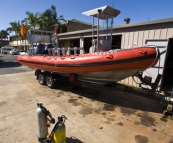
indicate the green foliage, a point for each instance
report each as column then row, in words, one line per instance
column 42, row 21
column 16, row 26
column 48, row 19
column 3, row 34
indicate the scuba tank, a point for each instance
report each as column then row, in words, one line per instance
column 58, row 133
column 43, row 122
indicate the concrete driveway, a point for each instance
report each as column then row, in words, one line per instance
column 95, row 115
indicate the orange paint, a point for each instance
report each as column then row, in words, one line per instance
column 137, row 58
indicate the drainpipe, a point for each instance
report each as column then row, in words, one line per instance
column 92, row 30
column 98, row 14
column 106, row 29
column 111, row 29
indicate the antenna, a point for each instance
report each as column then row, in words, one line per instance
column 112, row 18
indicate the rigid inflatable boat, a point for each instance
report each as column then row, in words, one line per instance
column 112, row 65
column 101, row 63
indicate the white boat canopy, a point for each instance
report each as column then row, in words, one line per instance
column 105, row 12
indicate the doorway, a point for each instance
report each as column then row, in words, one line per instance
column 116, row 41
column 74, row 43
column 167, row 79
column 87, row 44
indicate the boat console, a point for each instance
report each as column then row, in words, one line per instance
column 103, row 41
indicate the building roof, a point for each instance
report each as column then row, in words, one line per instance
column 158, row 21
column 74, row 20
column 150, row 22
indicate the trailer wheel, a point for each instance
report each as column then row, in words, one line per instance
column 41, row 79
column 72, row 77
column 50, row 81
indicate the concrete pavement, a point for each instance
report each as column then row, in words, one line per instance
column 95, row 115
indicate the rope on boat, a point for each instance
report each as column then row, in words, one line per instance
column 135, row 80
column 155, row 58
column 139, row 82
column 157, row 53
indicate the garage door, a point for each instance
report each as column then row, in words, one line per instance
column 158, row 68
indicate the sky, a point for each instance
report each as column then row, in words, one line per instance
column 136, row 10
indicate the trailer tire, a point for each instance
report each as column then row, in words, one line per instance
column 72, row 77
column 41, row 78
column 50, row 81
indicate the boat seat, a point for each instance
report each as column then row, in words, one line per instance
column 40, row 49
column 49, row 49
column 50, row 46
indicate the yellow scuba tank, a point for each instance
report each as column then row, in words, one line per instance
column 58, row 133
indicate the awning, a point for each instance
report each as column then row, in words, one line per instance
column 105, row 12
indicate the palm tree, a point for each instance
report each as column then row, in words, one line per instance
column 16, row 26
column 44, row 21
column 32, row 20
column 4, row 34
column 48, row 19
column 9, row 31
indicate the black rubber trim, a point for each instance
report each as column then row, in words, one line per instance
column 95, row 63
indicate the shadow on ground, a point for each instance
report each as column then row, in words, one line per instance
column 73, row 140
column 8, row 64
column 114, row 97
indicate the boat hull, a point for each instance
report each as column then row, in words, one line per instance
column 105, row 66
column 105, row 77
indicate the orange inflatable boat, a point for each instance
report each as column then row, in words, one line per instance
column 113, row 65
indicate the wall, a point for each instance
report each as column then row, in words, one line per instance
column 138, row 35
column 66, row 43
column 17, row 43
column 74, row 26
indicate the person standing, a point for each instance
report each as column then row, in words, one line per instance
column 55, row 37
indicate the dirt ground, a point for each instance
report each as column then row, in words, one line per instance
column 95, row 114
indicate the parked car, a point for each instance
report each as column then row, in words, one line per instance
column 14, row 52
column 31, row 51
column 6, row 50
column 21, row 52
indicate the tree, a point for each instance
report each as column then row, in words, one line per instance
column 32, row 20
column 16, row 26
column 48, row 19
column 3, row 34
column 44, row 21
column 9, row 31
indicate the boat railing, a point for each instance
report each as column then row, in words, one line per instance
column 65, row 51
